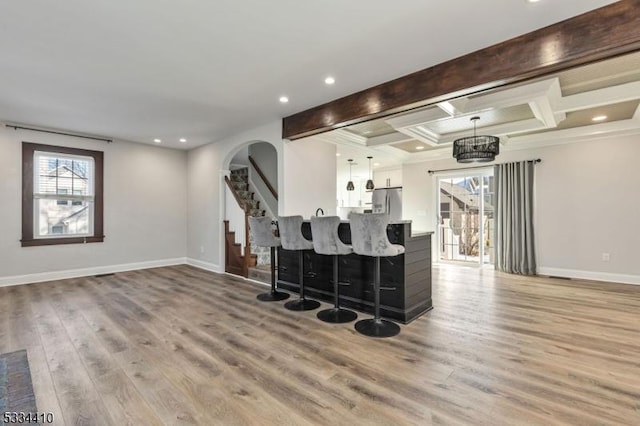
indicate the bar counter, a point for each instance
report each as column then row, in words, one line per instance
column 405, row 279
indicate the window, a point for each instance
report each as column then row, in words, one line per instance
column 62, row 202
column 61, row 195
column 77, row 202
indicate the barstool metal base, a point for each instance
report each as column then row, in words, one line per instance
column 272, row 296
column 377, row 328
column 302, row 305
column 336, row 315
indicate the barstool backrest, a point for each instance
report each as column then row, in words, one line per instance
column 261, row 232
column 324, row 230
column 369, row 235
column 291, row 233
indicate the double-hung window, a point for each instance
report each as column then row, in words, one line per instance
column 61, row 195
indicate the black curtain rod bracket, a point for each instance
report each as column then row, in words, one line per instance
column 537, row 160
column 14, row 127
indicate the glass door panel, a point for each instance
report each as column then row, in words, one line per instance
column 465, row 227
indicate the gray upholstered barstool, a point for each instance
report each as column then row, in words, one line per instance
column 262, row 236
column 292, row 239
column 326, row 241
column 369, row 238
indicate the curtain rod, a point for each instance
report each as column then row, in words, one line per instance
column 537, row 160
column 13, row 126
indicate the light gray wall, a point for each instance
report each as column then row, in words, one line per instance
column 241, row 157
column 586, row 204
column 266, row 157
column 145, row 207
column 306, row 181
column 310, row 177
column 206, row 165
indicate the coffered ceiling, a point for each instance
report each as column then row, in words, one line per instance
column 202, row 70
column 560, row 106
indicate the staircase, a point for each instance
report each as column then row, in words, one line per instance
column 235, row 261
column 240, row 182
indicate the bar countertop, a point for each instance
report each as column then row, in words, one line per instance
column 406, row 278
column 414, row 233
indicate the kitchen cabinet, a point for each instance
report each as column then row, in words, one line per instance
column 359, row 197
column 387, row 178
column 405, row 294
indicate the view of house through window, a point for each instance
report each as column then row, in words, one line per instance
column 63, row 195
column 466, row 218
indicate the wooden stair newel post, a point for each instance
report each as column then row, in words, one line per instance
column 235, row 261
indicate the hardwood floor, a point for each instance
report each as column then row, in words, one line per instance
column 182, row 346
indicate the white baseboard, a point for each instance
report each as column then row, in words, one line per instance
column 591, row 275
column 211, row 267
column 85, row 272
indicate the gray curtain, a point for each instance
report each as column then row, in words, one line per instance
column 515, row 251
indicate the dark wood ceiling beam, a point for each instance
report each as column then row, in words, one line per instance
column 600, row 34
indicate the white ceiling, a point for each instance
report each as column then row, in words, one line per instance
column 201, row 69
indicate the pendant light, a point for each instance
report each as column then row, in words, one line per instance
column 480, row 149
column 370, row 184
column 350, row 186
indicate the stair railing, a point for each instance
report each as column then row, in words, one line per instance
column 264, row 178
column 238, row 216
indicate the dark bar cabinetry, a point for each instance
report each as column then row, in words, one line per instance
column 406, row 279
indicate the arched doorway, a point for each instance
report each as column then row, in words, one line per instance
column 250, row 189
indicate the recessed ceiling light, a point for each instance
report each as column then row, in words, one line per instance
column 183, row 140
column 157, row 140
column 419, row 147
column 338, row 154
column 284, row 99
column 599, row 118
column 533, row 1
column 376, row 164
column 329, row 80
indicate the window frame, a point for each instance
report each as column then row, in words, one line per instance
column 28, row 151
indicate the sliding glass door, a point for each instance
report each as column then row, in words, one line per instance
column 465, row 217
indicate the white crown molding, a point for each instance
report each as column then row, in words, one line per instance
column 527, row 125
column 591, row 275
column 600, row 97
column 454, row 107
column 515, row 96
column 543, row 97
column 417, row 118
column 422, row 133
column 86, row 272
column 396, row 153
column 576, row 134
column 431, row 155
column 345, row 136
column 544, row 106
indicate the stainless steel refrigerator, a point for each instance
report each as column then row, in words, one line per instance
column 387, row 200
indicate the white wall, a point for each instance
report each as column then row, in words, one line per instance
column 310, row 177
column 266, row 157
column 205, row 247
column 145, row 209
column 306, row 181
column 586, row 204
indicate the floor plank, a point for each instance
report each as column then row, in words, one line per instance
column 182, row 346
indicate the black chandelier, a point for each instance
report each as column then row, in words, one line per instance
column 476, row 149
